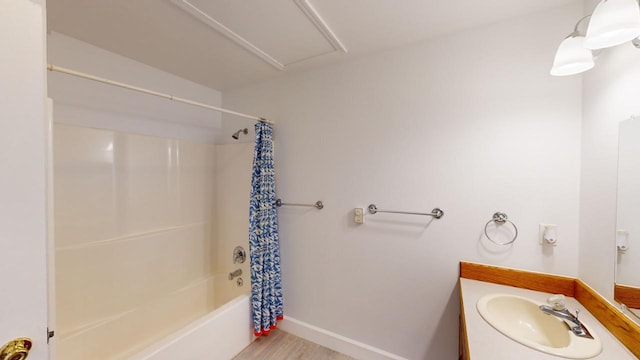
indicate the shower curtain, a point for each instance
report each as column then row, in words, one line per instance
column 266, row 288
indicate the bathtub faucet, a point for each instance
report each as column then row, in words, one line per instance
column 235, row 274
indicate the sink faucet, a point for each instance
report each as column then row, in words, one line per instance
column 558, row 310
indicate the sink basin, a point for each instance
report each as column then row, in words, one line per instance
column 521, row 320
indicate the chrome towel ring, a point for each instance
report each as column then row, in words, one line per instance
column 501, row 218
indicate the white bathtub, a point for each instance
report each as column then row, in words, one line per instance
column 219, row 335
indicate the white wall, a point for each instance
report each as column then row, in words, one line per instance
column 471, row 123
column 83, row 102
column 610, row 95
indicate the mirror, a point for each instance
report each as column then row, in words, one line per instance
column 627, row 283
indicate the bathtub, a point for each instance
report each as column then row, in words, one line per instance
column 219, row 335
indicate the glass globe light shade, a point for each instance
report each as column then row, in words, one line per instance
column 613, row 22
column 572, row 57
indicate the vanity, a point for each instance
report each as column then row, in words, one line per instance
column 511, row 294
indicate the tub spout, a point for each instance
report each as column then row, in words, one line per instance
column 235, row 274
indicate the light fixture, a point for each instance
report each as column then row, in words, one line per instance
column 613, row 22
column 572, row 57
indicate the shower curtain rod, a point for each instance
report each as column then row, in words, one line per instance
column 59, row 69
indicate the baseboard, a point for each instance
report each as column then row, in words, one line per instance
column 335, row 341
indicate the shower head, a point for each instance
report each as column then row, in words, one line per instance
column 236, row 135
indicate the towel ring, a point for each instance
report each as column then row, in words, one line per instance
column 501, row 218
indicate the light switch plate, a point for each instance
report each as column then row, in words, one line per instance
column 358, row 215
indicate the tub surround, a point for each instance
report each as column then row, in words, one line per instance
column 134, row 224
column 139, row 253
column 477, row 280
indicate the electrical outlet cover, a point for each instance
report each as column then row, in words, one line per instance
column 358, row 215
column 541, row 230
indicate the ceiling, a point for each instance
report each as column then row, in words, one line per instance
column 225, row 44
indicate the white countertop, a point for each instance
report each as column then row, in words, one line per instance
column 486, row 343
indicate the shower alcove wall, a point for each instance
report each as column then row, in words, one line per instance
column 149, row 203
column 141, row 228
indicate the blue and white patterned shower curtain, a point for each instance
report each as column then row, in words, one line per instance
column 266, row 287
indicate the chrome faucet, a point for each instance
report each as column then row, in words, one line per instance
column 234, row 274
column 560, row 311
column 239, row 255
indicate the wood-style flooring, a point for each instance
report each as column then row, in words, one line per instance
column 280, row 345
